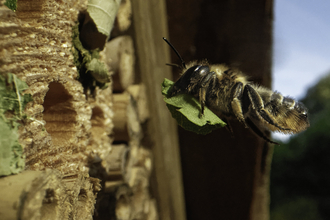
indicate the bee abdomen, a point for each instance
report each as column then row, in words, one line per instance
column 288, row 113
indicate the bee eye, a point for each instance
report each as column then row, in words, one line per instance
column 201, row 70
column 194, row 73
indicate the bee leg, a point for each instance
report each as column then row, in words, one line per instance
column 202, row 99
column 205, row 83
column 236, row 106
column 256, row 130
column 228, row 127
column 258, row 105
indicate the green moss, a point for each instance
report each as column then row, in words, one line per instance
column 185, row 109
column 11, row 4
column 12, row 104
column 92, row 72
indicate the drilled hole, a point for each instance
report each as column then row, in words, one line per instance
column 49, row 205
column 82, row 195
column 59, row 114
column 49, row 196
column 97, row 121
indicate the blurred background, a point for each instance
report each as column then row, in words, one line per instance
column 300, row 177
column 301, row 46
column 278, row 43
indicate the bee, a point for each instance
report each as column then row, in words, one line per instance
column 228, row 93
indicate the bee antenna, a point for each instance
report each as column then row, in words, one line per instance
column 177, row 53
column 173, row 65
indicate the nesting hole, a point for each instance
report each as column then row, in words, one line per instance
column 59, row 114
column 123, row 207
column 97, row 122
column 82, row 195
column 49, row 196
column 49, row 205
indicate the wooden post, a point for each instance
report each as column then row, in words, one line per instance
column 150, row 26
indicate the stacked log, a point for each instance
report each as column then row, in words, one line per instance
column 36, row 47
column 74, row 138
column 128, row 165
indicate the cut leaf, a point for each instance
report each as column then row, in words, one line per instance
column 11, row 97
column 11, row 159
column 98, row 70
column 12, row 104
column 186, row 110
column 103, row 13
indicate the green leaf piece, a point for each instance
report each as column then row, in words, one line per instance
column 11, row 4
column 99, row 71
column 103, row 14
column 12, row 104
column 186, row 110
column 11, row 159
column 11, row 97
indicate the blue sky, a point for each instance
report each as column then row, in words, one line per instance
column 301, row 45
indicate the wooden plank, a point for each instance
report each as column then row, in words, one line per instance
column 152, row 53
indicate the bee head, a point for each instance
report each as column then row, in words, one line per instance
column 191, row 76
column 190, row 80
